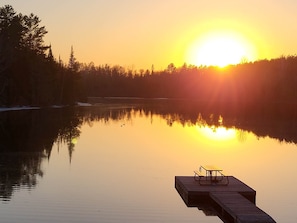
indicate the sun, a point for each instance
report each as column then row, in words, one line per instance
column 220, row 49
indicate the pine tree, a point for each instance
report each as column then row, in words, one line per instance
column 50, row 56
column 72, row 65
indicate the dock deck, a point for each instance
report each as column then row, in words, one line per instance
column 235, row 201
column 232, row 205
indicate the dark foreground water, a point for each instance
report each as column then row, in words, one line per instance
column 118, row 165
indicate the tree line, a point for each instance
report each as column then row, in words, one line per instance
column 29, row 74
column 265, row 80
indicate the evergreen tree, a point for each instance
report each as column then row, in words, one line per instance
column 26, row 75
column 50, row 56
column 33, row 34
column 72, row 65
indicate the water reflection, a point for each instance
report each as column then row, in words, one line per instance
column 190, row 113
column 27, row 137
column 209, row 210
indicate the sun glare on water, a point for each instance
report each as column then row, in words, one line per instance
column 220, row 49
column 217, row 133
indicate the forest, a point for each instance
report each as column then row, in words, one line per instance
column 30, row 75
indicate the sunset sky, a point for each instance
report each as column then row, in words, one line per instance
column 141, row 33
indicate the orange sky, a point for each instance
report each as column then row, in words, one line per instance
column 139, row 34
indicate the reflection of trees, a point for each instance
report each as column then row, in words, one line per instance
column 241, row 135
column 262, row 122
column 27, row 138
column 18, row 169
column 70, row 132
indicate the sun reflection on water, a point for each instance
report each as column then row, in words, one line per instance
column 220, row 133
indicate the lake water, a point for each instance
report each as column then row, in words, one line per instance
column 118, row 165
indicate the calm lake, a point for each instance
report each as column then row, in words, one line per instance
column 117, row 162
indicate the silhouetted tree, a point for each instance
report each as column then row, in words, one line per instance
column 29, row 74
column 72, row 85
column 72, row 64
column 32, row 36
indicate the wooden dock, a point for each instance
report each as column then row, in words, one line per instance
column 234, row 202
